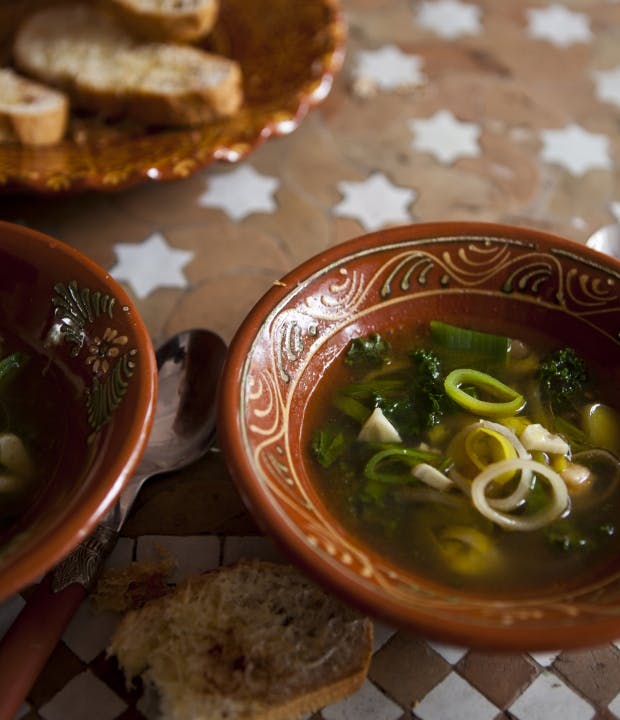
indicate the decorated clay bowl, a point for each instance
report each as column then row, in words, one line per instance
column 484, row 276
column 82, row 403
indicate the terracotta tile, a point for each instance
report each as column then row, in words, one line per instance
column 62, row 666
column 595, row 673
column 498, row 676
column 604, row 714
column 406, row 668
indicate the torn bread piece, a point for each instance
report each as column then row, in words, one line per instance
column 88, row 53
column 31, row 113
column 255, row 640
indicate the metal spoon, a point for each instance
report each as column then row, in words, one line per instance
column 606, row 240
column 189, row 366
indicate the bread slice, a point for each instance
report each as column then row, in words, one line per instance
column 251, row 641
column 104, row 68
column 30, row 113
column 168, row 20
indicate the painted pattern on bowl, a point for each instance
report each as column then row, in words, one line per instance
column 71, row 312
column 405, row 276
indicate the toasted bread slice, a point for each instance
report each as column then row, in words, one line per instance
column 168, row 20
column 104, row 68
column 30, row 113
column 255, row 640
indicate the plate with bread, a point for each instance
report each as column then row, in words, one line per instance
column 105, row 94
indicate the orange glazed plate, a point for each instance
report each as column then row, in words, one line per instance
column 289, row 54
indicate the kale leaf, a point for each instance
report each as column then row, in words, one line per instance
column 369, row 351
column 563, row 376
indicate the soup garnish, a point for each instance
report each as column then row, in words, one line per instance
column 475, row 459
column 36, row 419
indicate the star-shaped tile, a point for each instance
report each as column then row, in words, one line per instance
column 389, row 68
column 575, row 149
column 375, row 202
column 450, row 18
column 445, row 137
column 559, row 25
column 608, row 85
column 150, row 265
column 240, row 192
column 615, row 210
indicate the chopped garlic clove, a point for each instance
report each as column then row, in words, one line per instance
column 431, row 476
column 378, row 429
column 537, row 437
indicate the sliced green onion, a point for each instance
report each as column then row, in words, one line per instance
column 408, row 456
column 474, row 341
column 352, row 407
column 510, row 401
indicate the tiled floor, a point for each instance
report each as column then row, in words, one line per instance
column 409, row 676
column 445, row 109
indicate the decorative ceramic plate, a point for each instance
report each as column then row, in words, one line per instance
column 458, row 272
column 289, row 52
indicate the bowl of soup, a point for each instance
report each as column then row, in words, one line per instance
column 78, row 384
column 427, row 420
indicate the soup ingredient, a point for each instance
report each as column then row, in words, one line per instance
column 428, row 393
column 252, row 640
column 552, row 510
column 371, row 351
column 33, row 429
column 378, row 429
column 509, row 402
column 563, row 378
column 462, row 439
column 17, row 468
column 601, row 424
column 465, row 340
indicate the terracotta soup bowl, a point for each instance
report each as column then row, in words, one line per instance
column 78, row 384
column 283, row 370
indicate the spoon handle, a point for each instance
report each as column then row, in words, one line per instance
column 30, row 640
column 34, row 634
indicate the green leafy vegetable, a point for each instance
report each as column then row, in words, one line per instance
column 471, row 341
column 428, row 391
column 369, row 351
column 328, row 445
column 563, row 376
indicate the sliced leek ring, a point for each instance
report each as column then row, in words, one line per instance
column 509, row 400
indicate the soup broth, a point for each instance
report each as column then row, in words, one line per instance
column 38, row 422
column 523, row 490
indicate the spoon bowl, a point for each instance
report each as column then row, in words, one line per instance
column 189, row 365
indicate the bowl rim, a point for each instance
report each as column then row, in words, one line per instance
column 64, row 535
column 273, row 522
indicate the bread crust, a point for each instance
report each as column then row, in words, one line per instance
column 155, row 20
column 105, row 69
column 255, row 640
column 30, row 113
